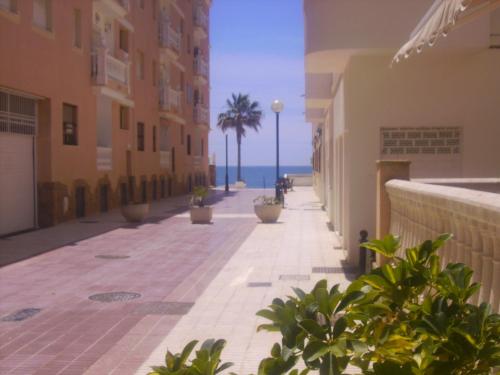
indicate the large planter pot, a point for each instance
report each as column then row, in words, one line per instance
column 136, row 212
column 268, row 213
column 201, row 215
column 240, row 184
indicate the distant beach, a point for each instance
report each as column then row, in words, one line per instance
column 258, row 176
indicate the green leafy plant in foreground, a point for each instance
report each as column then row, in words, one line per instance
column 206, row 362
column 410, row 316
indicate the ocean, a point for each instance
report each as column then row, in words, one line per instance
column 258, row 176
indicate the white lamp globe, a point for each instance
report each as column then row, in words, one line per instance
column 277, row 106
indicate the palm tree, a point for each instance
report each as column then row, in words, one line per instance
column 241, row 112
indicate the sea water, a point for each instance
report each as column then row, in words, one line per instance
column 258, row 176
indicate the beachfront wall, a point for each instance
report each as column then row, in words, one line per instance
column 422, row 211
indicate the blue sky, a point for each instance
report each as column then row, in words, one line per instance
column 257, row 48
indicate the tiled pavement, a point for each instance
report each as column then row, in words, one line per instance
column 170, row 260
column 283, row 255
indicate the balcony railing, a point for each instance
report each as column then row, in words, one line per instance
column 201, row 18
column 104, row 158
column 167, row 36
column 169, row 99
column 197, row 159
column 201, row 66
column 421, row 211
column 165, row 159
column 124, row 4
column 201, row 115
column 104, row 66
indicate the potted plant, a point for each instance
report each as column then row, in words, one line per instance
column 267, row 209
column 135, row 212
column 199, row 213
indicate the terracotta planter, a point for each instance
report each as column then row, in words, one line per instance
column 268, row 213
column 136, row 212
column 201, row 215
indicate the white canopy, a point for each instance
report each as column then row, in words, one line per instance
column 442, row 17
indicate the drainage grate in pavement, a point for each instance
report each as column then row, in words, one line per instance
column 114, row 296
column 163, row 308
column 89, row 221
column 293, row 277
column 334, row 270
column 259, row 284
column 21, row 315
column 112, row 256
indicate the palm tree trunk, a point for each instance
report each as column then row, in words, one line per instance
column 238, row 140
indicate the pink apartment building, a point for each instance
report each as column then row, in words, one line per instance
column 102, row 103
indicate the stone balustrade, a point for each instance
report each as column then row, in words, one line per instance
column 422, row 211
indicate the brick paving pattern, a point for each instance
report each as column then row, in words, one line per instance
column 169, row 261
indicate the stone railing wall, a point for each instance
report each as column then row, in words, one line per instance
column 422, row 211
column 491, row 185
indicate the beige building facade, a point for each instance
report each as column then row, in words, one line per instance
column 102, row 103
column 440, row 109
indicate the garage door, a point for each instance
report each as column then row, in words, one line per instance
column 17, row 177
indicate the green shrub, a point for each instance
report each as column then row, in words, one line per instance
column 408, row 317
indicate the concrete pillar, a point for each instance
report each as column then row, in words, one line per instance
column 387, row 170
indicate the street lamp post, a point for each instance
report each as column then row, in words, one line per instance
column 227, row 172
column 277, row 107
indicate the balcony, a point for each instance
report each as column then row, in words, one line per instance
column 104, row 158
column 168, row 38
column 165, row 159
column 200, row 19
column 113, row 8
column 201, row 69
column 169, row 99
column 108, row 70
column 201, row 115
column 125, row 4
column 197, row 161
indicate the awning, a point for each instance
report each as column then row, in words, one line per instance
column 440, row 19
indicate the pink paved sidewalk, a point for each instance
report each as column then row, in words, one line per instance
column 169, row 260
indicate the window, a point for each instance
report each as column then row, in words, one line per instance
column 155, row 5
column 70, row 126
column 124, row 40
column 77, row 32
column 144, row 191
column 154, row 138
column 103, row 204
column 162, row 187
column 189, row 93
column 154, row 189
column 188, row 140
column 42, row 14
column 123, row 117
column 181, row 27
column 153, row 73
column 123, row 194
column 80, row 201
column 173, row 159
column 9, row 5
column 140, row 65
column 140, row 136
